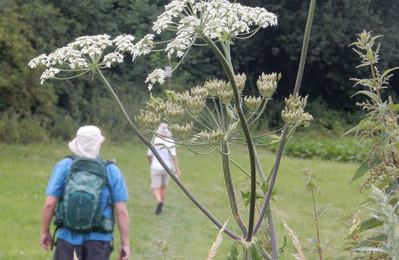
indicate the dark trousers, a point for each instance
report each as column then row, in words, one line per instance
column 89, row 250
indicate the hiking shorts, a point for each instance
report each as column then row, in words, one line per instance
column 159, row 178
column 89, row 250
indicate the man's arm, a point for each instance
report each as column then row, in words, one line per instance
column 177, row 167
column 122, row 218
column 47, row 214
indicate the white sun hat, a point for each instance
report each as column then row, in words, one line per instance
column 87, row 142
column 163, row 130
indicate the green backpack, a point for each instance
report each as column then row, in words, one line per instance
column 79, row 208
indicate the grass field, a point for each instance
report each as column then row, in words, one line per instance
column 24, row 171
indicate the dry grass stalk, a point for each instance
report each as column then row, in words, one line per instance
column 299, row 255
column 216, row 244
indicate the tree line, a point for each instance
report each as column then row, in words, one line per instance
column 30, row 111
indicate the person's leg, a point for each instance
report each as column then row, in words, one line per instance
column 64, row 250
column 96, row 250
column 164, row 185
column 156, row 182
column 163, row 193
column 157, row 194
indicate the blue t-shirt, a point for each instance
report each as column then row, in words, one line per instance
column 118, row 193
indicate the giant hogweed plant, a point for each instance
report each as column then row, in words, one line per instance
column 378, row 235
column 213, row 115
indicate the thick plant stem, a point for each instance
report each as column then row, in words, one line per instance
column 305, row 45
column 230, row 188
column 273, row 239
column 246, row 131
column 161, row 161
column 272, row 230
column 272, row 180
column 284, row 135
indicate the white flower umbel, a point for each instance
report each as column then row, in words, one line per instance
column 158, row 75
column 214, row 19
column 88, row 53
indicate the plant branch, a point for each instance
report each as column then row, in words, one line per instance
column 161, row 161
column 286, row 131
column 230, row 188
column 246, row 131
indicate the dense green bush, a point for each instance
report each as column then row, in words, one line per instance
column 14, row 129
column 338, row 149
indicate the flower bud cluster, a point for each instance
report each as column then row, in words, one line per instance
column 180, row 130
column 240, row 80
column 267, row 84
column 252, row 103
column 294, row 114
column 194, row 104
column 214, row 86
column 173, row 112
column 211, row 137
column 148, row 119
column 199, row 91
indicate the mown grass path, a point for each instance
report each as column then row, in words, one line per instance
column 24, row 171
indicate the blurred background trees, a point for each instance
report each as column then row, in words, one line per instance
column 31, row 112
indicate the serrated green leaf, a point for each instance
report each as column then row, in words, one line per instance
column 387, row 72
column 233, row 255
column 370, row 94
column 366, row 225
column 364, row 168
column 370, row 249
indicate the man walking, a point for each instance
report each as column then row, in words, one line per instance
column 85, row 194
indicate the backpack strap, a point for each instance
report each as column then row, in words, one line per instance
column 73, row 157
column 53, row 242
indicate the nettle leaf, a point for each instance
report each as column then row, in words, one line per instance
column 233, row 255
column 387, row 73
column 364, row 168
column 370, row 249
column 364, row 124
column 370, row 94
column 246, row 197
column 366, row 225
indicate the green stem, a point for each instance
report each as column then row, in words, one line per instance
column 286, row 131
column 230, row 188
column 161, row 161
column 316, row 219
column 246, row 131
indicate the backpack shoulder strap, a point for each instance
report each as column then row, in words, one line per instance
column 72, row 157
column 108, row 162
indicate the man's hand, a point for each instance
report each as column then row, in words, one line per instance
column 45, row 240
column 124, row 253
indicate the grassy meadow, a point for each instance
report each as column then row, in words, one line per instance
column 181, row 230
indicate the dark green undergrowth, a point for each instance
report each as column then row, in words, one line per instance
column 343, row 149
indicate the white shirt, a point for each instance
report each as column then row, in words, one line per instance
column 166, row 149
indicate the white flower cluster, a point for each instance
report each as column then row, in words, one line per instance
column 89, row 52
column 210, row 18
column 158, row 75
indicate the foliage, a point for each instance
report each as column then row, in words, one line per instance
column 25, row 33
column 382, row 235
column 381, row 126
column 328, row 148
